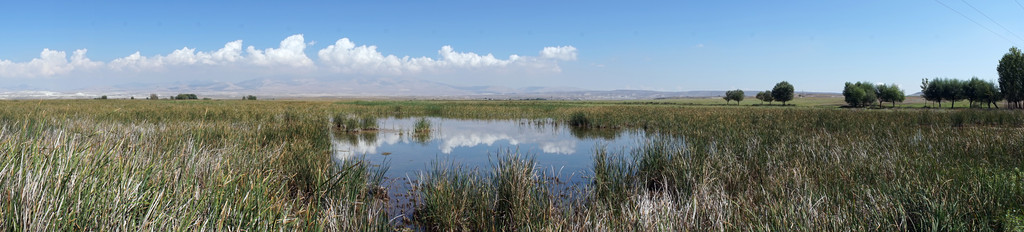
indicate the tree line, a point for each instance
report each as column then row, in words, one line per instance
column 1010, row 87
column 953, row 90
column 783, row 92
column 863, row 94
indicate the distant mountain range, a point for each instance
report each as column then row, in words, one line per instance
column 348, row 88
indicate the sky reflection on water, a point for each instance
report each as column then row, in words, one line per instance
column 475, row 142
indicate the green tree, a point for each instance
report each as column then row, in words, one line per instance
column 738, row 95
column 990, row 94
column 186, row 96
column 880, row 90
column 950, row 90
column 765, row 96
column 852, row 94
column 889, row 93
column 973, row 90
column 860, row 94
column 734, row 95
column 153, row 96
column 783, row 92
column 1011, row 77
column 933, row 92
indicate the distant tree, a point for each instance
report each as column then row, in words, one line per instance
column 880, row 90
column 250, row 97
column 992, row 94
column 765, row 96
column 783, row 92
column 950, row 90
column 735, row 95
column 852, row 94
column 104, row 97
column 973, row 90
column 889, row 93
column 924, row 84
column 153, row 96
column 133, row 98
column 933, row 92
column 860, row 94
column 1011, row 77
column 186, row 96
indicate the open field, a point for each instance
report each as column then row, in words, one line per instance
column 265, row 165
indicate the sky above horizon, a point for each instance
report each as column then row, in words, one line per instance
column 597, row 45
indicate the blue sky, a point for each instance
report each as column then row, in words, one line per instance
column 669, row 45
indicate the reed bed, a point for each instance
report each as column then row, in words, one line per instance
column 258, row 165
column 79, row 165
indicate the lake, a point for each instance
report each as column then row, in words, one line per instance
column 558, row 148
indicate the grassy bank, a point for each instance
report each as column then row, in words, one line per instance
column 259, row 165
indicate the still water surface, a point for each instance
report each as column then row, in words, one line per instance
column 557, row 148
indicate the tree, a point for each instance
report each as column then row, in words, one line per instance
column 889, row 93
column 950, row 90
column 734, row 95
column 186, row 96
column 880, row 90
column 860, row 94
column 1011, row 77
column 250, row 97
column 990, row 94
column 852, row 95
column 783, row 92
column 765, row 96
column 933, row 92
column 738, row 95
column 153, row 96
column 973, row 91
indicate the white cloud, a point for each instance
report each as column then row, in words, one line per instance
column 344, row 56
column 567, row 53
column 49, row 63
column 291, row 53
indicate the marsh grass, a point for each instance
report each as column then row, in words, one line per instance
column 354, row 123
column 514, row 196
column 165, row 166
column 422, row 125
column 265, row 165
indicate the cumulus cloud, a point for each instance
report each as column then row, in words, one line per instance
column 567, row 53
column 344, row 56
column 291, row 53
column 49, row 63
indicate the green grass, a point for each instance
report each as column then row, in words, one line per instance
column 265, row 165
column 120, row 165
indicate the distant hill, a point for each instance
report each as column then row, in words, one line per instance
column 351, row 87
